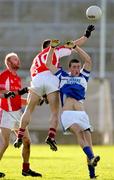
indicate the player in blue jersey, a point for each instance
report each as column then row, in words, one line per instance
column 44, row 84
column 73, row 86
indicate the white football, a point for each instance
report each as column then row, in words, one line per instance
column 93, row 13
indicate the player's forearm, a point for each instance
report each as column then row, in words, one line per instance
column 6, row 94
column 1, row 95
column 83, row 55
column 49, row 64
column 80, row 41
column 3, row 91
column 87, row 34
column 49, row 57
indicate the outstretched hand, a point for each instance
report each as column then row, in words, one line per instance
column 54, row 43
column 88, row 31
column 91, row 28
column 69, row 44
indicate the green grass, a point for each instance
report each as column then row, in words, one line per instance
column 68, row 163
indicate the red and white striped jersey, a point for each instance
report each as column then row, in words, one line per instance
column 39, row 62
column 10, row 82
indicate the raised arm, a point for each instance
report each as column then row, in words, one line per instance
column 50, row 66
column 85, row 58
column 87, row 34
column 79, row 42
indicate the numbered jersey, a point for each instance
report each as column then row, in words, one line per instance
column 39, row 62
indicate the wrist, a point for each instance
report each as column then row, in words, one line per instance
column 5, row 95
column 87, row 33
column 23, row 91
column 18, row 92
column 74, row 46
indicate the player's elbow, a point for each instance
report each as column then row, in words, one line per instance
column 89, row 62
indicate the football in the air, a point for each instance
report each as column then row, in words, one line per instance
column 93, row 13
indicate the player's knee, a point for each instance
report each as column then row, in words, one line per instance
column 26, row 142
column 27, row 111
column 26, row 117
column 32, row 104
column 79, row 133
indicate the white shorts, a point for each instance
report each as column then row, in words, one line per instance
column 10, row 119
column 44, row 83
column 68, row 118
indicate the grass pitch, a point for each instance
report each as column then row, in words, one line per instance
column 68, row 163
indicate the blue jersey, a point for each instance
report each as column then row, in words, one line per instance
column 73, row 86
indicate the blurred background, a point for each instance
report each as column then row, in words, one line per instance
column 24, row 24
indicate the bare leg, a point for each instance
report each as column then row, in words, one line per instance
column 26, row 147
column 26, row 171
column 76, row 129
column 4, row 140
column 32, row 102
column 78, row 132
column 88, row 138
column 53, row 99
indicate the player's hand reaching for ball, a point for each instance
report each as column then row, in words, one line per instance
column 91, row 28
column 54, row 43
column 88, row 31
column 69, row 44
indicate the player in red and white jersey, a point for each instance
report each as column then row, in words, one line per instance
column 44, row 82
column 10, row 110
column 39, row 61
column 10, row 82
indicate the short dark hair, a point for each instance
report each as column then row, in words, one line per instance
column 46, row 43
column 73, row 61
